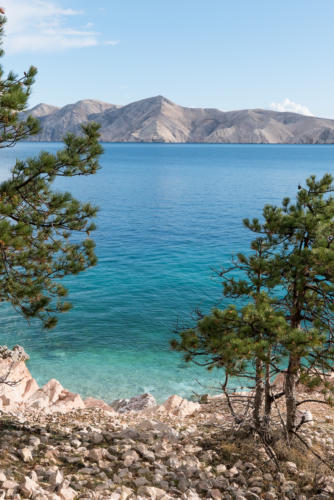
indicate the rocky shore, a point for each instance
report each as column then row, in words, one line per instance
column 55, row 445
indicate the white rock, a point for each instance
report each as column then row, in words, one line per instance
column 98, row 403
column 26, row 455
column 130, row 457
column 136, row 403
column 178, row 406
column 151, row 492
column 67, row 401
column 13, row 369
column 34, row 441
column 28, row 487
column 76, row 443
column 9, row 485
column 221, row 468
column 292, row 467
column 66, row 493
column 52, row 389
column 304, row 417
column 96, row 454
column 56, row 478
column 190, row 495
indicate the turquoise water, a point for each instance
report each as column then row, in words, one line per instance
column 168, row 215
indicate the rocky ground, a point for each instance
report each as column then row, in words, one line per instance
column 136, row 449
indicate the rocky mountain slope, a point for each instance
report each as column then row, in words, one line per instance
column 159, row 120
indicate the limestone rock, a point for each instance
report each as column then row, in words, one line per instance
column 151, row 492
column 28, row 487
column 98, row 403
column 130, row 457
column 137, row 403
column 16, row 354
column 66, row 493
column 291, row 467
column 96, row 454
column 67, row 401
column 26, row 455
column 9, row 485
column 304, row 417
column 178, row 406
column 52, row 397
column 24, row 390
column 14, row 369
column 52, row 390
column 56, row 478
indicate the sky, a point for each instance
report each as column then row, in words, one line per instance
column 225, row 54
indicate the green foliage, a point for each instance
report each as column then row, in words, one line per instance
column 37, row 223
column 288, row 281
column 232, row 338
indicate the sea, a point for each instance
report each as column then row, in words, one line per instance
column 169, row 217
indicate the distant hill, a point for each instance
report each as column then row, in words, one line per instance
column 159, row 120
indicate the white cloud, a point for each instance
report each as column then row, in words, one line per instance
column 111, row 42
column 41, row 25
column 288, row 105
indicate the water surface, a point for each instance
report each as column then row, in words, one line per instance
column 168, row 215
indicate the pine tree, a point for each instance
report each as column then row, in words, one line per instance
column 288, row 325
column 243, row 339
column 301, row 236
column 37, row 224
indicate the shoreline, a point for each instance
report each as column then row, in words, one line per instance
column 20, row 392
column 56, row 446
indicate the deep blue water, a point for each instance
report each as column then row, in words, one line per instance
column 168, row 215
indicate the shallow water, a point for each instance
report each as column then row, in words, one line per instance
column 168, row 215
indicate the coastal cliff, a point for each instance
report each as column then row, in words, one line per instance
column 158, row 119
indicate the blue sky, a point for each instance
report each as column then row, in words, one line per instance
column 227, row 54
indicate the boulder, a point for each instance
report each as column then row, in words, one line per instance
column 28, row 487
column 136, row 403
column 304, row 417
column 38, row 401
column 176, row 405
column 66, row 493
column 52, row 389
column 19, row 384
column 67, row 401
column 98, row 403
column 26, row 455
column 56, row 478
column 96, row 454
column 52, row 397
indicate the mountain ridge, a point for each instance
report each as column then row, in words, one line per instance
column 157, row 119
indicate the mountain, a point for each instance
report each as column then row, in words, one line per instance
column 159, row 120
column 56, row 122
column 42, row 110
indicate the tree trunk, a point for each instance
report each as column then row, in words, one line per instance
column 259, row 389
column 268, row 399
column 290, row 392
